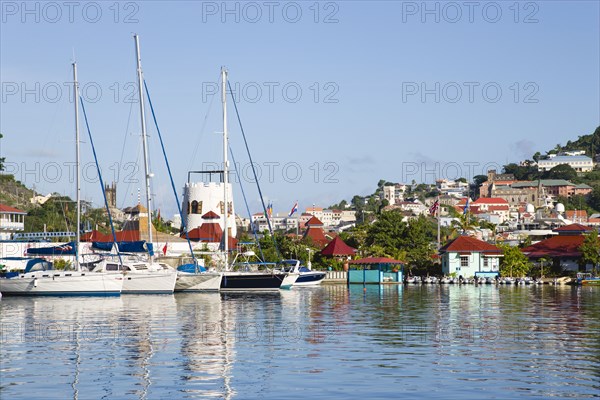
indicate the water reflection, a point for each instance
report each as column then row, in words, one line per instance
column 427, row 341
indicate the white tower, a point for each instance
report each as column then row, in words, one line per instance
column 202, row 197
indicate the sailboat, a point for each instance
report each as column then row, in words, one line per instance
column 39, row 278
column 143, row 276
column 242, row 280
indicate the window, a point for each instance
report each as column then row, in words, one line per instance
column 112, row 267
column 485, row 262
column 194, row 207
column 464, row 261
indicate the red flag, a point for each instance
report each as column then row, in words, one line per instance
column 164, row 249
column 434, row 207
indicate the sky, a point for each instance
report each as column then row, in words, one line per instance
column 333, row 96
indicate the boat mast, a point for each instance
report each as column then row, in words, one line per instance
column 225, row 166
column 77, row 166
column 144, row 135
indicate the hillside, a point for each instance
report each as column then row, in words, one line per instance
column 13, row 193
column 590, row 143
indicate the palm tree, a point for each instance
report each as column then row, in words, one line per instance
column 464, row 224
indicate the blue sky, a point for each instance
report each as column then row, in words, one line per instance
column 332, row 99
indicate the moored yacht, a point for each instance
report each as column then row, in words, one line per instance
column 306, row 276
column 41, row 279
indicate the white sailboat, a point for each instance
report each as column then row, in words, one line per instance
column 142, row 276
column 39, row 278
column 242, row 280
column 146, row 276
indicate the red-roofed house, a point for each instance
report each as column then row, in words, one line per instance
column 466, row 256
column 314, row 231
column 487, row 205
column 12, row 220
column 594, row 221
column 573, row 230
column 580, row 216
column 563, row 249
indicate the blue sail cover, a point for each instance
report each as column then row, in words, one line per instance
column 191, row 268
column 62, row 250
column 139, row 246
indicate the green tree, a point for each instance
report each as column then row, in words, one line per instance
column 562, row 171
column 590, row 250
column 465, row 223
column 594, row 199
column 479, row 179
column 522, row 173
column 514, row 262
column 411, row 242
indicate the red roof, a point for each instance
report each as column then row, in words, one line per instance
column 337, row 247
column 573, row 228
column 375, row 260
column 210, row 232
column 467, row 244
column 8, row 209
column 314, row 221
column 490, row 200
column 571, row 214
column 211, row 215
column 499, row 208
column 317, row 235
column 556, row 246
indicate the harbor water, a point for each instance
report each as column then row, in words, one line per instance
column 328, row 342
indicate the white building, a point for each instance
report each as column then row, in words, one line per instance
column 12, row 220
column 416, row 207
column 452, row 188
column 579, row 163
column 200, row 198
column 277, row 223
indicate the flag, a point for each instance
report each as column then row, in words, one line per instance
column 434, row 207
column 294, row 209
column 164, row 249
column 466, row 209
column 270, row 210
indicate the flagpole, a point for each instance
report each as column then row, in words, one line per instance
column 439, row 243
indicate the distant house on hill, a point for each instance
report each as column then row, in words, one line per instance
column 12, row 220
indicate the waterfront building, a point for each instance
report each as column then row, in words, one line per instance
column 468, row 257
column 563, row 249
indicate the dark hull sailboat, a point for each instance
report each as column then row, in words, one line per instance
column 242, row 281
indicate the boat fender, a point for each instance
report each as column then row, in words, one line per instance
column 34, row 282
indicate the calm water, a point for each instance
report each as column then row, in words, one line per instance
column 327, row 342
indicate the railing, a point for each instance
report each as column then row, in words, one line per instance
column 336, row 276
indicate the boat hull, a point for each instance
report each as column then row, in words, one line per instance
column 591, row 282
column 251, row 281
column 289, row 280
column 310, row 278
column 52, row 283
column 201, row 282
column 149, row 282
